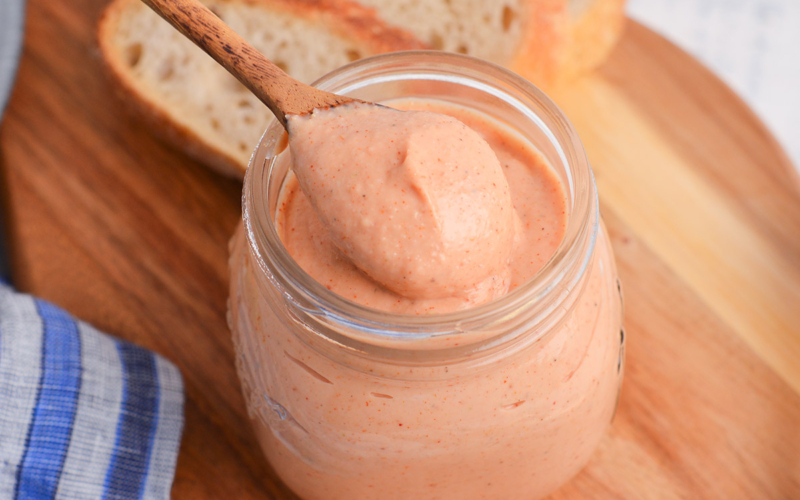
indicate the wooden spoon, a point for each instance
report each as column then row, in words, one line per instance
column 280, row 92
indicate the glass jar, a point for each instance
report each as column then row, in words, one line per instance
column 503, row 401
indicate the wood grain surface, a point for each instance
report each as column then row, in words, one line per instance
column 702, row 206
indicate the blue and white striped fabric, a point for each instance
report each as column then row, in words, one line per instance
column 82, row 415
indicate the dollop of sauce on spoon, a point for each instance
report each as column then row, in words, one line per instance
column 416, row 200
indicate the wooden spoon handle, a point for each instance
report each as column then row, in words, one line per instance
column 280, row 92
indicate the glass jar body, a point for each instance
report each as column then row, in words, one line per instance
column 516, row 429
column 507, row 403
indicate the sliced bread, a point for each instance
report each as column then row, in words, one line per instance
column 528, row 36
column 546, row 41
column 199, row 107
column 195, row 103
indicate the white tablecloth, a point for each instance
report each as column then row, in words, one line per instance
column 754, row 45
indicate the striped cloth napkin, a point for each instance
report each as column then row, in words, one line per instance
column 82, row 415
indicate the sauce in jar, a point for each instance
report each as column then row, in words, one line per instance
column 357, row 392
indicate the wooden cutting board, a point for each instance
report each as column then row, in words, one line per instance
column 702, row 205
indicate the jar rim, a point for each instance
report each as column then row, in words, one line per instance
column 326, row 306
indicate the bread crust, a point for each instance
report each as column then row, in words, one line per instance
column 557, row 48
column 350, row 20
column 592, row 36
column 543, row 46
column 344, row 18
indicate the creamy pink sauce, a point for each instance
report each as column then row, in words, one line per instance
column 417, row 212
column 513, row 428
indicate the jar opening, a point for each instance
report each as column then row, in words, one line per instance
column 483, row 87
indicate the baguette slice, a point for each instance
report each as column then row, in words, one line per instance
column 186, row 97
column 546, row 41
column 529, row 37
